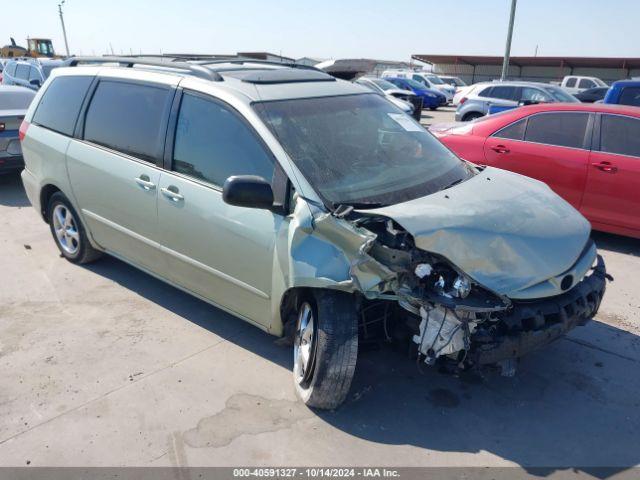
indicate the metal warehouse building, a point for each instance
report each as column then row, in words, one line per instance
column 474, row 69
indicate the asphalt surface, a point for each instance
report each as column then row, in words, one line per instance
column 103, row 365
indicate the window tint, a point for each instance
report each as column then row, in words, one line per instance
column 630, row 96
column 129, row 118
column 212, row 143
column 59, row 107
column 586, row 83
column 503, row 92
column 561, row 129
column 22, row 71
column 571, row 82
column 486, row 92
column 515, row 131
column 620, row 135
column 34, row 74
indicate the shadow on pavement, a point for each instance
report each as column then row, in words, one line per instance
column 617, row 243
column 12, row 193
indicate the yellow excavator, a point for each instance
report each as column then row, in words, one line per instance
column 36, row 47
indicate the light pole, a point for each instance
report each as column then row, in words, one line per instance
column 507, row 50
column 64, row 30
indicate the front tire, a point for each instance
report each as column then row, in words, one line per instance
column 68, row 232
column 325, row 349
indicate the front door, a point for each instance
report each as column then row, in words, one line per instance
column 612, row 193
column 113, row 170
column 551, row 147
column 221, row 252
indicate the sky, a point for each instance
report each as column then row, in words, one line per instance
column 391, row 30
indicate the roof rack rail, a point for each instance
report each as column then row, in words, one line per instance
column 193, row 69
column 242, row 60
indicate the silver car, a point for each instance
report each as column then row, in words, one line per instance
column 309, row 207
column 498, row 96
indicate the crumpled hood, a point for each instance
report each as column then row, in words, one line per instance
column 506, row 231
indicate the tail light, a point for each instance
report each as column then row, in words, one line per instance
column 462, row 100
column 23, row 129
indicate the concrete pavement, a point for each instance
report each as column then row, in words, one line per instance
column 106, row 366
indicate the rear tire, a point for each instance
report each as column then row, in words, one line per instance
column 471, row 116
column 68, row 232
column 325, row 348
column 433, row 108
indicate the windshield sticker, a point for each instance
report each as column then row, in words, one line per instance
column 405, row 122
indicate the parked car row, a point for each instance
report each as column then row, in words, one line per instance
column 320, row 208
column 589, row 154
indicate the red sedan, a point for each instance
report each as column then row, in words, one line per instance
column 587, row 153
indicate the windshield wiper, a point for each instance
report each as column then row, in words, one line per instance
column 452, row 184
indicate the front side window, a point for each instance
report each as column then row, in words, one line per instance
column 22, row 71
column 486, row 93
column 586, row 83
column 34, row 74
column 212, row 143
column 620, row 134
column 565, row 129
column 630, row 96
column 534, row 95
column 571, row 82
column 60, row 105
column 361, row 149
column 419, row 79
column 128, row 117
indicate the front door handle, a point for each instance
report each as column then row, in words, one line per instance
column 605, row 167
column 500, row 149
column 172, row 193
column 145, row 182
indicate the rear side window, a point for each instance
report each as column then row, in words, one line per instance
column 212, row 143
column 571, row 82
column 34, row 74
column 11, row 69
column 486, row 92
column 630, row 96
column 515, row 131
column 59, row 107
column 621, row 135
column 129, row 118
column 22, row 72
column 561, row 129
column 504, row 93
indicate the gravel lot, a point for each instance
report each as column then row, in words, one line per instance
column 106, row 366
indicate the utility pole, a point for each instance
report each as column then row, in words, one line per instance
column 64, row 30
column 507, row 50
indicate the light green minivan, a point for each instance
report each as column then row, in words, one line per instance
column 308, row 206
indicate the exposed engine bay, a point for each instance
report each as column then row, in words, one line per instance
column 446, row 318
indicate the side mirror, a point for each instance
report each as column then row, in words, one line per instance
column 524, row 103
column 248, row 191
column 35, row 82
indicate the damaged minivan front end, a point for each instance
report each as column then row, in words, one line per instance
column 473, row 275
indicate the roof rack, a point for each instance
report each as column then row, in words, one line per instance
column 193, row 69
column 243, row 60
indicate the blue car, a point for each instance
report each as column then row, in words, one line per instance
column 431, row 99
column 624, row 92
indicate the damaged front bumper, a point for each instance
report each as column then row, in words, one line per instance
column 529, row 325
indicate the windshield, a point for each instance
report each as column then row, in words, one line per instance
column 13, row 100
column 361, row 150
column 560, row 95
column 435, row 80
column 414, row 84
column 383, row 84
